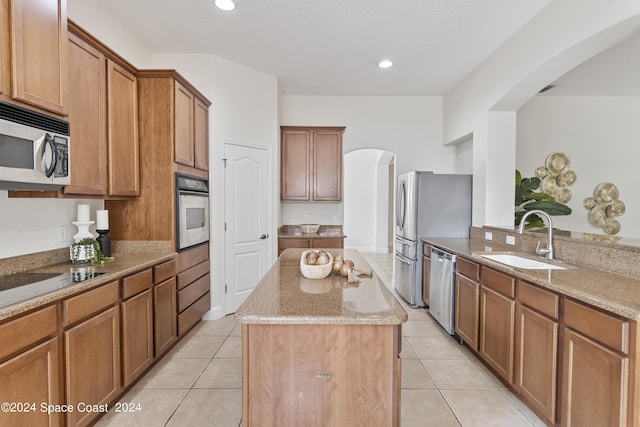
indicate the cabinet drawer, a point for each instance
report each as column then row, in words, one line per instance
column 136, row 283
column 468, row 268
column 538, row 299
column 191, row 257
column 193, row 314
column 191, row 293
column 603, row 327
column 26, row 331
column 498, row 282
column 192, row 274
column 84, row 305
column 164, row 271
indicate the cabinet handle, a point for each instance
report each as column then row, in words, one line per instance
column 264, row 236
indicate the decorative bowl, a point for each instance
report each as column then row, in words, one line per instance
column 315, row 271
column 309, row 228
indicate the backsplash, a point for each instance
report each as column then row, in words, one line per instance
column 579, row 250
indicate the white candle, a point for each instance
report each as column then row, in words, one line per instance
column 83, row 213
column 102, row 220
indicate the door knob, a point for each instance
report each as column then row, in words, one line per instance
column 264, row 236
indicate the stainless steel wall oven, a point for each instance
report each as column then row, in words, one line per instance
column 192, row 211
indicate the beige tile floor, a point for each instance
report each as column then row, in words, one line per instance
column 199, row 383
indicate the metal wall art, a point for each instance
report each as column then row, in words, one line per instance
column 555, row 176
column 604, row 206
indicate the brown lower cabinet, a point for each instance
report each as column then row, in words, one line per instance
column 497, row 315
column 597, row 380
column 137, row 336
column 193, row 286
column 573, row 364
column 536, row 348
column 32, row 375
column 85, row 350
column 319, row 243
column 92, row 364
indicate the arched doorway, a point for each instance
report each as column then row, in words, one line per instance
column 369, row 189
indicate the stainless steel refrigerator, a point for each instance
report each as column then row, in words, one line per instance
column 427, row 205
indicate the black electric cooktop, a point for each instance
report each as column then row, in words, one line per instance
column 19, row 287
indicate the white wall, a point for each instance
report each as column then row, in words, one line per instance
column 561, row 36
column 366, row 199
column 408, row 126
column 600, row 136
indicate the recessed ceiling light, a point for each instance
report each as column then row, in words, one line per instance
column 385, row 63
column 225, row 4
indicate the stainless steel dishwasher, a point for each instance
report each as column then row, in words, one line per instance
column 442, row 288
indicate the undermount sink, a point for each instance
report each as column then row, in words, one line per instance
column 522, row 262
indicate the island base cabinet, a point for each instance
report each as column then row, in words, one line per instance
column 320, row 375
column 37, row 368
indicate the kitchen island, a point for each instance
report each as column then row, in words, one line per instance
column 321, row 352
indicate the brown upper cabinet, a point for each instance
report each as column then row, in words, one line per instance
column 103, row 112
column 311, row 163
column 190, row 114
column 34, row 54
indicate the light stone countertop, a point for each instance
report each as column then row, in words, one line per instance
column 126, row 261
column 284, row 296
column 612, row 292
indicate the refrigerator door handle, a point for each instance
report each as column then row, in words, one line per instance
column 401, row 205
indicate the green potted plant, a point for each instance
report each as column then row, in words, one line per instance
column 87, row 250
column 527, row 199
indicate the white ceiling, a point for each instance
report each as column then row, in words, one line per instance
column 332, row 47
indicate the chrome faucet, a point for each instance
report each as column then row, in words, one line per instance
column 548, row 251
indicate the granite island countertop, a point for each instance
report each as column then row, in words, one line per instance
column 609, row 291
column 284, row 296
column 125, row 262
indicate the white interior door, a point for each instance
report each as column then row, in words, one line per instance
column 246, row 205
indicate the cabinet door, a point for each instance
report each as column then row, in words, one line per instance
column 295, row 174
column 327, row 166
column 426, row 271
column 31, row 378
column 497, row 331
column 201, row 135
column 92, row 361
column 165, row 315
column 38, row 40
column 137, row 336
column 594, row 383
column 184, row 111
column 122, row 131
column 466, row 313
column 87, row 111
column 536, row 360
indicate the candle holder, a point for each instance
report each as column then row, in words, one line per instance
column 83, row 230
column 105, row 242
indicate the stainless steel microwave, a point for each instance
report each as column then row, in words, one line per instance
column 34, row 150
